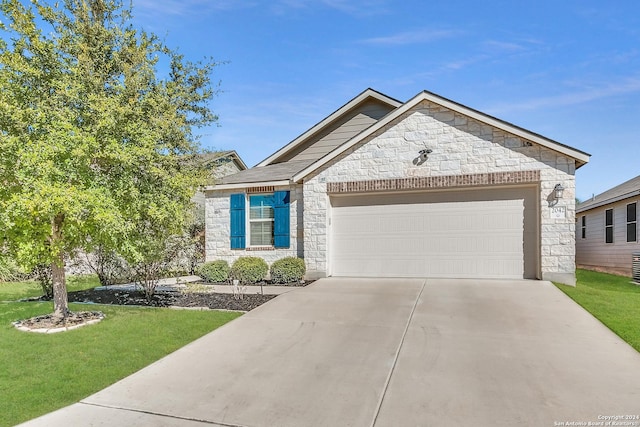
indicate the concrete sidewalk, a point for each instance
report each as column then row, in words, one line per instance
column 175, row 284
column 164, row 285
column 385, row 352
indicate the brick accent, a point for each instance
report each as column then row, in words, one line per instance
column 266, row 189
column 427, row 182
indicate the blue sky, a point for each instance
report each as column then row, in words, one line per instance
column 569, row 70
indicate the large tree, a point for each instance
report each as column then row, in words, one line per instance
column 96, row 133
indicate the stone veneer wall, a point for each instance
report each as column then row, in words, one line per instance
column 217, row 223
column 461, row 146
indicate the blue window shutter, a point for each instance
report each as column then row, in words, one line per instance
column 281, row 219
column 237, row 221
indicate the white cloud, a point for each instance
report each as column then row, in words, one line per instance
column 588, row 94
column 500, row 46
column 154, row 8
column 358, row 8
column 464, row 63
column 411, row 37
column 185, row 7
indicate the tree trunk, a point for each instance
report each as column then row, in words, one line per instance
column 60, row 300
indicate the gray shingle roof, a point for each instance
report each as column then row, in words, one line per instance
column 296, row 170
column 623, row 191
column 275, row 172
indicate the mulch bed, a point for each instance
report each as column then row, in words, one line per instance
column 170, row 299
column 216, row 301
column 49, row 322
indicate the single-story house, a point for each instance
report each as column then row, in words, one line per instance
column 423, row 188
column 607, row 229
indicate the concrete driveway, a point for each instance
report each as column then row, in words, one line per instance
column 386, row 352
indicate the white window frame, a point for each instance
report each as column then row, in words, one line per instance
column 583, row 227
column 249, row 221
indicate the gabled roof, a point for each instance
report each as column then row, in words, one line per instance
column 215, row 157
column 296, row 171
column 363, row 96
column 623, row 191
column 580, row 157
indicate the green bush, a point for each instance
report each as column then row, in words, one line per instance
column 214, row 271
column 249, row 269
column 289, row 269
column 9, row 270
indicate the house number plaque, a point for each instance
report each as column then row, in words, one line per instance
column 558, row 212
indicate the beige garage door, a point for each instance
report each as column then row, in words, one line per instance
column 464, row 235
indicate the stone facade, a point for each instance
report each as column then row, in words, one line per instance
column 465, row 153
column 460, row 146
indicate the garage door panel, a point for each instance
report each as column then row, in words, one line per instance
column 451, row 239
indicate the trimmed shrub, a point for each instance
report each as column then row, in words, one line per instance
column 289, row 269
column 214, row 271
column 249, row 269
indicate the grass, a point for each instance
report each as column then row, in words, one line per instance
column 40, row 373
column 11, row 291
column 611, row 299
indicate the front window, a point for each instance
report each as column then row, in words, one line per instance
column 261, row 217
column 608, row 226
column 632, row 221
column 584, row 226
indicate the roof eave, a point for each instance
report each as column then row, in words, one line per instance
column 236, row 157
column 580, row 157
column 608, row 201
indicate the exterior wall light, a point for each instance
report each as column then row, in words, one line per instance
column 558, row 190
column 423, row 156
column 556, row 195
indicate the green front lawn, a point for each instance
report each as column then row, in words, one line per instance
column 12, row 291
column 611, row 299
column 40, row 373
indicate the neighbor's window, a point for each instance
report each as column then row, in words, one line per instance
column 608, row 226
column 261, row 220
column 584, row 226
column 632, row 222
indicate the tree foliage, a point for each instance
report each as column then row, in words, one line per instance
column 95, row 141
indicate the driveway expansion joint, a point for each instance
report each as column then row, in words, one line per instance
column 397, row 355
column 176, row 417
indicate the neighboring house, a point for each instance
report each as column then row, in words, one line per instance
column 220, row 164
column 224, row 163
column 607, row 229
column 425, row 188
